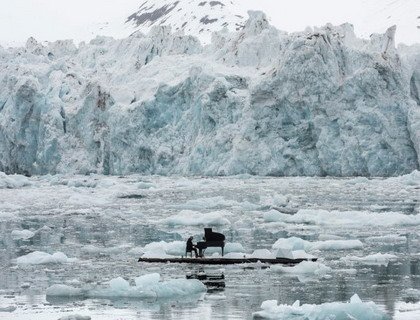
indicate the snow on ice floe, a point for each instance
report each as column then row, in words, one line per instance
column 411, row 294
column 8, row 309
column 372, row 259
column 350, row 219
column 411, row 179
column 39, row 257
column 91, row 249
column 13, row 181
column 75, row 317
column 146, row 286
column 193, row 218
column 407, row 311
column 295, row 243
column 354, row 309
column 206, row 203
column 276, row 200
column 305, row 267
column 387, row 239
column 22, row 234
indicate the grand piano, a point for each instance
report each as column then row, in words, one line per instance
column 211, row 239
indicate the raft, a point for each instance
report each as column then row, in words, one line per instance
column 225, row 261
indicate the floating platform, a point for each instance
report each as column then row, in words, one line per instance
column 224, row 261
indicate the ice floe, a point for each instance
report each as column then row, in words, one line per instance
column 39, row 257
column 206, row 203
column 305, row 267
column 411, row 294
column 354, row 309
column 373, row 259
column 192, row 218
column 146, row 286
column 22, row 234
column 407, row 311
column 13, row 181
column 295, row 243
column 91, row 249
column 411, row 179
column 351, row 219
column 75, row 317
column 390, row 239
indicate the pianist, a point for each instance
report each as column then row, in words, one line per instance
column 191, row 247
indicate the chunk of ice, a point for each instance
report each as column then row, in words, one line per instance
column 373, row 259
column 295, row 243
column 355, row 309
column 305, row 267
column 22, row 234
column 192, row 218
column 75, row 317
column 39, row 257
column 146, row 286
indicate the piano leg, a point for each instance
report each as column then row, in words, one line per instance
column 223, row 249
column 200, row 252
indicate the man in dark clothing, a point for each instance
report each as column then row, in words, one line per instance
column 191, row 247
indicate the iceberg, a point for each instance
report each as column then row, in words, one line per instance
column 39, row 257
column 13, row 181
column 354, row 309
column 373, row 259
column 193, row 218
column 22, row 234
column 255, row 101
column 304, row 268
column 146, row 286
column 295, row 243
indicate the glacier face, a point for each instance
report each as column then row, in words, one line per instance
column 258, row 101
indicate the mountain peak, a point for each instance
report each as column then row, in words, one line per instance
column 196, row 17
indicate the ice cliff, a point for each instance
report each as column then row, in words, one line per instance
column 258, row 101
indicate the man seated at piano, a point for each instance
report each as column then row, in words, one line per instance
column 191, row 247
column 211, row 239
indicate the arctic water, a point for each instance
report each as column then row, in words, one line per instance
column 364, row 232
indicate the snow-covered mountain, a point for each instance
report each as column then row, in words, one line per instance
column 84, row 20
column 198, row 18
column 256, row 100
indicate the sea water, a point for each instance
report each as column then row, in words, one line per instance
column 102, row 225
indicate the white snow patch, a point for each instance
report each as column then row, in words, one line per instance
column 91, row 249
column 355, row 309
column 411, row 179
column 373, row 259
column 352, row 219
column 145, row 286
column 276, row 200
column 295, row 243
column 13, row 181
column 192, row 218
column 262, row 254
column 163, row 249
column 206, row 203
column 392, row 238
column 39, row 257
column 22, row 234
column 407, row 311
column 75, row 317
column 305, row 267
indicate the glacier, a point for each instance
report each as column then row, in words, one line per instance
column 256, row 101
